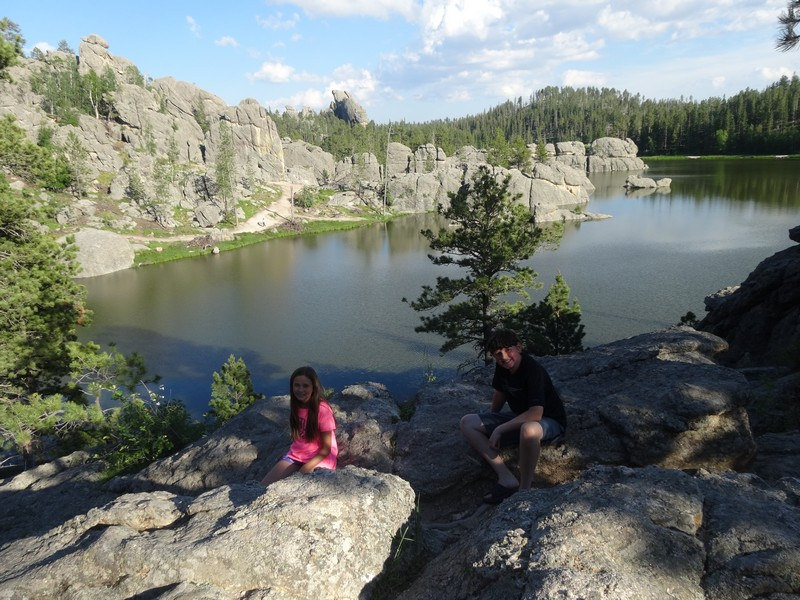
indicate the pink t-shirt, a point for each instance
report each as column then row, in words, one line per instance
column 304, row 451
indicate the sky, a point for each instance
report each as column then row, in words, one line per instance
column 419, row 60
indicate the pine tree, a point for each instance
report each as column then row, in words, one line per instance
column 40, row 309
column 520, row 154
column 40, row 304
column 231, row 390
column 789, row 38
column 489, row 234
column 11, row 43
column 553, row 326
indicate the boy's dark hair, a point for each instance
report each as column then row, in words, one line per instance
column 502, row 338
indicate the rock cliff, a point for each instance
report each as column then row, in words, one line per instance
column 760, row 318
column 152, row 148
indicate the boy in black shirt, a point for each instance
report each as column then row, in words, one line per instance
column 537, row 414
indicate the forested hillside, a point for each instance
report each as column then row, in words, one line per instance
column 751, row 122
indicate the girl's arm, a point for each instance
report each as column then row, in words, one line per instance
column 325, row 438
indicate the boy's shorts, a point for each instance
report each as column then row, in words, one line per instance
column 552, row 428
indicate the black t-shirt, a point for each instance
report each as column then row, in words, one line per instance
column 530, row 386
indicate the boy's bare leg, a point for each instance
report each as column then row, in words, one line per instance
column 530, row 446
column 475, row 434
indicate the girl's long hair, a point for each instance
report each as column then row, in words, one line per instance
column 312, row 420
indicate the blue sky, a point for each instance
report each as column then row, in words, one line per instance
column 417, row 60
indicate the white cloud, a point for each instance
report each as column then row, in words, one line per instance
column 277, row 21
column 774, row 73
column 227, row 40
column 274, row 72
column 359, row 82
column 718, row 82
column 279, row 72
column 44, row 47
column 296, row 37
column 500, row 59
column 193, row 25
column 314, row 98
column 445, row 19
column 379, row 9
column 459, row 95
column 576, row 78
column 572, row 47
column 625, row 25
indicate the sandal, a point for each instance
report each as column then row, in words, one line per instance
column 498, row 494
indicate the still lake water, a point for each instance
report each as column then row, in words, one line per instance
column 334, row 300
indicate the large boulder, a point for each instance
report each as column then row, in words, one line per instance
column 398, row 159
column 614, row 154
column 618, row 533
column 654, row 399
column 345, row 107
column 308, row 164
column 639, row 183
column 101, row 252
column 323, row 535
column 761, row 318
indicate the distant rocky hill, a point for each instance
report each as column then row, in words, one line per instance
column 152, row 152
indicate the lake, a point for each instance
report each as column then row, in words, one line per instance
column 334, row 300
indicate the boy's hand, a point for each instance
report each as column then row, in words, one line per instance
column 494, row 440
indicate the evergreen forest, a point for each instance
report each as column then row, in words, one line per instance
column 749, row 123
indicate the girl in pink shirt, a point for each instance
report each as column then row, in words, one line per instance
column 313, row 429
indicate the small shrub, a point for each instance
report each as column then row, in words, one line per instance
column 306, row 198
column 145, row 429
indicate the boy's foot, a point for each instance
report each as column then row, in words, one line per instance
column 498, row 494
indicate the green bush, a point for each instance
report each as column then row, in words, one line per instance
column 307, row 197
column 44, row 165
column 142, row 430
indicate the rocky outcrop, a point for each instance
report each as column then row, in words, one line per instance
column 307, row 164
column 422, row 179
column 101, row 252
column 760, row 319
column 357, row 171
column 614, row 154
column 655, row 399
column 325, row 535
column 151, row 134
column 94, row 56
column 572, row 154
column 246, row 447
column 638, row 492
column 346, row 107
column 646, row 183
column 621, row 533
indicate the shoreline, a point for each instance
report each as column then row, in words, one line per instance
column 266, row 224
